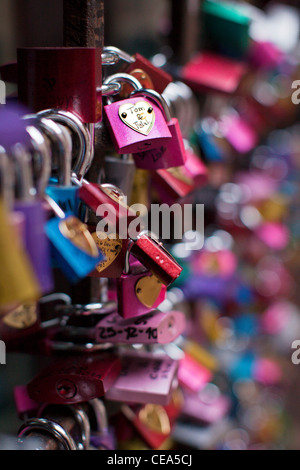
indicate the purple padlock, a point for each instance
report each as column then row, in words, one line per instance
column 31, row 206
column 137, row 123
column 145, row 378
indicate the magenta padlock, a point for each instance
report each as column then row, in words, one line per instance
column 145, row 378
column 154, row 328
column 209, row 406
column 65, row 78
column 138, row 290
column 137, row 123
column 169, row 156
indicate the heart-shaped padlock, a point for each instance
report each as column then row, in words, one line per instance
column 135, row 124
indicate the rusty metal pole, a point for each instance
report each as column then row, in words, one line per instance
column 83, row 23
column 83, row 26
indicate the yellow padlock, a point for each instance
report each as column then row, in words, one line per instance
column 18, row 283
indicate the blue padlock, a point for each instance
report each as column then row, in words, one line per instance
column 73, row 247
column 60, row 187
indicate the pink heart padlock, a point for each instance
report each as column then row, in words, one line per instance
column 135, row 124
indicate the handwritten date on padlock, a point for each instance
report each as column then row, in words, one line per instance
column 144, row 379
column 155, row 327
column 75, row 380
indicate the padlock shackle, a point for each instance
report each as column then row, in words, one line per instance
column 24, row 175
column 118, row 78
column 70, row 120
column 41, row 146
column 61, row 136
column 157, row 98
column 7, row 179
column 110, row 57
column 99, row 411
column 121, row 54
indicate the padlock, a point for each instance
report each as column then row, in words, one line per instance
column 75, row 379
column 77, row 417
column 114, row 250
column 99, row 324
column 145, row 378
column 159, row 77
column 155, row 327
column 137, row 123
column 29, row 202
column 226, row 28
column 142, row 77
column 156, row 258
column 26, row 408
column 102, row 433
column 176, row 184
column 165, row 156
column 61, row 190
column 61, row 78
column 73, row 248
column 138, row 290
column 18, row 282
column 238, row 132
column 57, row 436
column 192, row 375
column 110, row 203
column 209, row 72
column 82, row 138
column 151, row 422
column 206, row 407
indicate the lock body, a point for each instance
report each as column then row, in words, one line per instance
column 74, row 380
column 139, row 291
column 139, row 126
column 61, row 78
column 155, row 258
column 152, row 328
column 144, row 379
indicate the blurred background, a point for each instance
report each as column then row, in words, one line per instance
column 240, row 291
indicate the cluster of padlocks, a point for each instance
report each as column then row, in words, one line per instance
column 145, row 341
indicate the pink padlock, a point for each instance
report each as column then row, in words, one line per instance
column 192, row 375
column 138, row 291
column 154, row 328
column 145, row 378
column 208, row 406
column 169, row 156
column 135, row 124
column 241, row 136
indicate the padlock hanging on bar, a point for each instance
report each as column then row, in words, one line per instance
column 165, row 156
column 18, row 283
column 73, row 247
column 135, row 124
column 159, row 77
column 29, row 201
column 75, row 379
column 138, row 290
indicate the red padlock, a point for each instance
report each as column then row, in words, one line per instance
column 159, row 77
column 75, row 379
column 211, row 72
column 156, row 258
column 64, row 78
